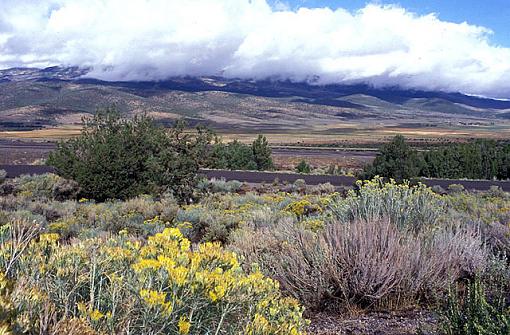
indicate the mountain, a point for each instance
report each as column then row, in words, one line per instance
column 34, row 98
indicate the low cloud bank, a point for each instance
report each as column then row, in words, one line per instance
column 158, row 39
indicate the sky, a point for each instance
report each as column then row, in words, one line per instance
column 446, row 45
column 493, row 14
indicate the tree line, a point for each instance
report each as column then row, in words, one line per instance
column 480, row 159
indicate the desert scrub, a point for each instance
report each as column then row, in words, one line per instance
column 483, row 207
column 219, row 186
column 7, row 309
column 475, row 312
column 413, row 207
column 86, row 218
column 490, row 211
column 218, row 215
column 302, row 208
column 121, row 285
column 36, row 186
column 65, row 189
column 362, row 264
column 3, row 176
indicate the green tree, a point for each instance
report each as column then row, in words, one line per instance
column 233, row 156
column 481, row 159
column 396, row 160
column 262, row 154
column 118, row 158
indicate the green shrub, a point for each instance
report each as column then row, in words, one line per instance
column 239, row 156
column 473, row 313
column 233, row 156
column 480, row 159
column 303, row 167
column 65, row 189
column 3, row 176
column 395, row 160
column 119, row 159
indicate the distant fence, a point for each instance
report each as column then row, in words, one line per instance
column 256, row 177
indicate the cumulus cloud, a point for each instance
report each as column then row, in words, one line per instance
column 158, row 39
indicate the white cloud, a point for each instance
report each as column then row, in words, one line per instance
column 157, row 39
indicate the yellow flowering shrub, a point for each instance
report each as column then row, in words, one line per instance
column 120, row 285
column 302, row 207
column 7, row 308
column 314, row 224
column 210, row 286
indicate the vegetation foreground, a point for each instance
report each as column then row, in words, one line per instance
column 249, row 263
column 134, row 242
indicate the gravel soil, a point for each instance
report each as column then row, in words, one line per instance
column 401, row 323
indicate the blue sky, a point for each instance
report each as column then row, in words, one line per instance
column 493, row 14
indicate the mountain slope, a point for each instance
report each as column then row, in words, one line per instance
column 34, row 98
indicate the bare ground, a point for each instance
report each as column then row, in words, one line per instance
column 400, row 323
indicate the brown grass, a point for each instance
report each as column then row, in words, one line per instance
column 331, row 134
column 46, row 133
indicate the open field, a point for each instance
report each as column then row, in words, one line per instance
column 43, row 134
column 24, row 152
column 350, row 149
column 348, row 134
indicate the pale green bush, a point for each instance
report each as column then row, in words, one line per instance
column 408, row 207
column 36, row 186
column 456, row 188
column 219, row 186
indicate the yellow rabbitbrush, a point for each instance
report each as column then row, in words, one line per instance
column 120, row 286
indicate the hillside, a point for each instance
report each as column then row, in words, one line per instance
column 36, row 98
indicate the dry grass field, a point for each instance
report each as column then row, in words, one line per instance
column 358, row 144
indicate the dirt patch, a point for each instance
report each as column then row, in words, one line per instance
column 401, row 323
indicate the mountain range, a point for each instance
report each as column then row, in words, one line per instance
column 33, row 98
